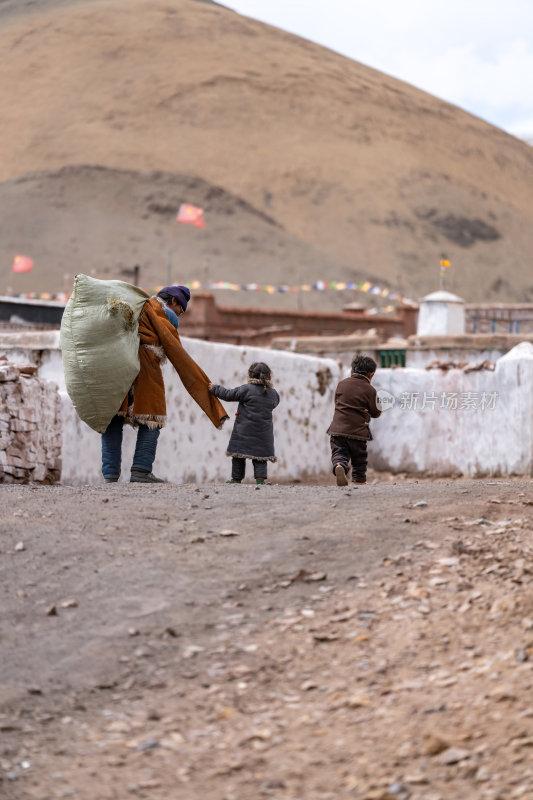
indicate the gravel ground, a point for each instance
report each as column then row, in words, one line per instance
column 297, row 642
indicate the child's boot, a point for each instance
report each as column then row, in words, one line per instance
column 232, row 480
column 259, row 481
column 340, row 475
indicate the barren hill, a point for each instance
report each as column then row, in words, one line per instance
column 331, row 170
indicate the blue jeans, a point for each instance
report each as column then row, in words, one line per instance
column 145, row 448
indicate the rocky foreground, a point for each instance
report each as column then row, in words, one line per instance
column 299, row 643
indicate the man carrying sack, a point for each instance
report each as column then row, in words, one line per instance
column 114, row 338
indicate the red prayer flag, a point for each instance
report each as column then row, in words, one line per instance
column 22, row 264
column 192, row 215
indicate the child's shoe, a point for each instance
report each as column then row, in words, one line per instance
column 340, row 475
column 260, row 481
column 232, row 480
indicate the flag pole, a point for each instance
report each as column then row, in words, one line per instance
column 444, row 264
column 190, row 215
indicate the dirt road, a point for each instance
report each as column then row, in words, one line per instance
column 296, row 642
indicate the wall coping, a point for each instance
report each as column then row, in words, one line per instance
column 468, row 341
column 30, row 340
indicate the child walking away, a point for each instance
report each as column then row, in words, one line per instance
column 355, row 404
column 253, row 431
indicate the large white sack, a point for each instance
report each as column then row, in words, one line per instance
column 100, row 346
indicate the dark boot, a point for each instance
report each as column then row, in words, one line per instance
column 142, row 476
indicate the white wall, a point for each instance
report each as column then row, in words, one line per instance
column 443, row 441
column 420, row 359
column 440, row 441
column 190, row 448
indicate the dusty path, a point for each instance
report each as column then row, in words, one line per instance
column 293, row 642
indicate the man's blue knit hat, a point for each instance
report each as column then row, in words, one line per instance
column 181, row 293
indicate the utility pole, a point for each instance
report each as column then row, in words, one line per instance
column 134, row 273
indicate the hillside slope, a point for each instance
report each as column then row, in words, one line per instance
column 377, row 178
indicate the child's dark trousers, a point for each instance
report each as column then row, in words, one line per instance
column 238, row 468
column 348, row 451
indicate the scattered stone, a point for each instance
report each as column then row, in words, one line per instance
column 325, row 637
column 51, row 611
column 69, row 603
column 308, row 577
column 192, row 650
column 502, row 605
column 399, row 788
column 482, row 775
column 453, row 755
column 450, row 561
column 148, row 745
column 19, row 546
column 269, row 786
column 358, row 701
column 435, row 744
column 416, row 778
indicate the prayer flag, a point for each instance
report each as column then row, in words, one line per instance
column 22, row 264
column 444, row 263
column 192, row 215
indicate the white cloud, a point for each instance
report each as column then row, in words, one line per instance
column 478, row 55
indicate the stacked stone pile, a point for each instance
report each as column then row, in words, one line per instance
column 30, row 426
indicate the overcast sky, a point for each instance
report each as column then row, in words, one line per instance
column 477, row 54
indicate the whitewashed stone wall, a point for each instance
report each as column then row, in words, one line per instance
column 490, row 432
column 30, row 427
column 190, row 448
column 420, row 359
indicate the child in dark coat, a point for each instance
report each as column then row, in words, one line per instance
column 253, row 431
column 355, row 404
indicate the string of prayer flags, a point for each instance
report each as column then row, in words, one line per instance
column 318, row 286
